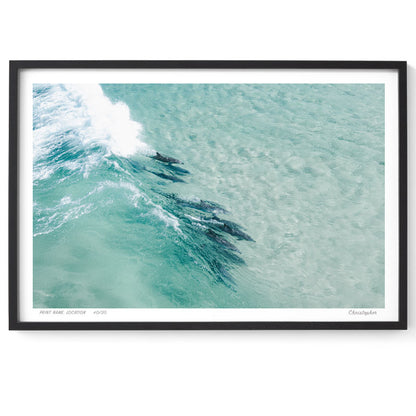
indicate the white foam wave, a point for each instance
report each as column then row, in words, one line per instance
column 169, row 219
column 136, row 196
column 84, row 112
column 109, row 123
column 42, row 172
column 51, row 223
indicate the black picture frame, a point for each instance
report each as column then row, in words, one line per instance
column 16, row 66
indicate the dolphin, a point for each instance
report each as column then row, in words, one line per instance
column 177, row 170
column 165, row 176
column 166, row 159
column 200, row 205
column 231, row 228
column 220, row 240
column 226, row 226
column 222, row 273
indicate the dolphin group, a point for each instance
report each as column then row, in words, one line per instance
column 214, row 231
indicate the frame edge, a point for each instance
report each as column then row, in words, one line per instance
column 403, row 199
column 15, row 66
column 13, row 194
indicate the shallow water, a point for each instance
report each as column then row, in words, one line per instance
column 297, row 168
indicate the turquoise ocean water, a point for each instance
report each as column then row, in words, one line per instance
column 279, row 201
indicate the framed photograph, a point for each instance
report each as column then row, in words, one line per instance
column 208, row 195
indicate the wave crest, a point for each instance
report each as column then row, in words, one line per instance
column 85, row 108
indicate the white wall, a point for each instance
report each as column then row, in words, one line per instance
column 207, row 373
